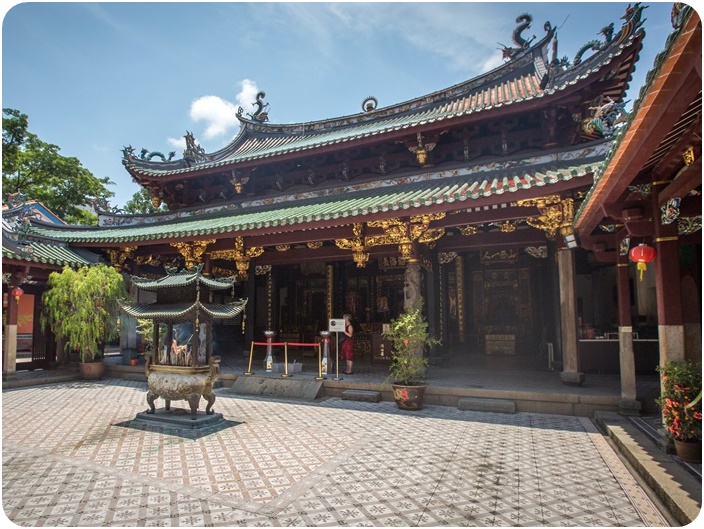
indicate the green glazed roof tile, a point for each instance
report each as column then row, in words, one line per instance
column 181, row 279
column 46, row 253
column 409, row 197
column 176, row 311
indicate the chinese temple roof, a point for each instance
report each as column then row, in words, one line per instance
column 47, row 253
column 528, row 76
column 18, row 246
column 448, row 189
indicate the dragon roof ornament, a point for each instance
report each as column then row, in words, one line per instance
column 522, row 44
column 261, row 115
column 632, row 21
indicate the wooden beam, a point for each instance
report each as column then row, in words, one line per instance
column 687, row 179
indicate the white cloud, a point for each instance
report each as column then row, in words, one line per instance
column 177, row 142
column 247, row 95
column 220, row 115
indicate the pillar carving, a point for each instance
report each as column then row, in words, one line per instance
column 411, row 285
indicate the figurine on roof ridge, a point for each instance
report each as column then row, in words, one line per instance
column 521, row 43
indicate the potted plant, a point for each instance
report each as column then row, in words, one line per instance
column 680, row 402
column 409, row 337
column 81, row 306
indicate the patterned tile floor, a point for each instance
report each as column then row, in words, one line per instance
column 71, row 457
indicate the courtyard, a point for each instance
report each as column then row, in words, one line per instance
column 74, row 456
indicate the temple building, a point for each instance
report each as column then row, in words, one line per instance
column 503, row 202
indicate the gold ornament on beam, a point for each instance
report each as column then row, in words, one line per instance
column 508, row 226
column 468, row 230
column 555, row 214
column 404, row 234
column 240, row 256
column 314, row 245
column 688, row 155
column 360, row 253
column 262, row 270
column 118, row 257
column 283, row 247
column 148, row 260
column 238, row 182
column 192, row 252
column 421, row 149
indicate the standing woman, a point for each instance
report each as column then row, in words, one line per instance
column 347, row 351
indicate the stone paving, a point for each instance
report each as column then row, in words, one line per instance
column 73, row 457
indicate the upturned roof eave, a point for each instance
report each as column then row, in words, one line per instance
column 424, row 102
column 253, row 129
column 590, row 213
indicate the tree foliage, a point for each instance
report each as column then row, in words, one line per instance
column 82, row 307
column 141, row 202
column 38, row 170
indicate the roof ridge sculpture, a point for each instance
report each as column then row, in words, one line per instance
column 528, row 67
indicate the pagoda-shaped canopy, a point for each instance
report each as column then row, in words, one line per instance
column 184, row 297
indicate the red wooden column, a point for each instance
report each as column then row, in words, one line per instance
column 628, row 404
column 667, row 284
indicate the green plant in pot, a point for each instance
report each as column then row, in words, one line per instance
column 81, row 307
column 680, row 402
column 409, row 337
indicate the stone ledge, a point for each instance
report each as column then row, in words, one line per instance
column 361, row 395
column 482, row 404
column 679, row 490
column 295, row 388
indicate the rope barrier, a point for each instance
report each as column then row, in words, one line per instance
column 285, row 345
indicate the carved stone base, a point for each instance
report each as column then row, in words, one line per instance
column 179, row 419
column 629, row 407
column 572, row 378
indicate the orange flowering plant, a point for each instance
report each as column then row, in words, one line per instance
column 680, row 401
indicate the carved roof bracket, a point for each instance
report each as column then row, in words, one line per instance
column 406, row 233
column 360, row 252
column 556, row 214
column 240, row 255
column 119, row 256
column 192, row 252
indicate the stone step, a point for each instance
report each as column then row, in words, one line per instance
column 361, row 395
column 294, row 388
column 486, row 404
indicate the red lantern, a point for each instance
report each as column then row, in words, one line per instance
column 18, row 293
column 642, row 254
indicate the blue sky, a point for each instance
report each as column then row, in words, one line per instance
column 95, row 77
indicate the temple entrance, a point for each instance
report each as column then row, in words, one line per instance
column 506, row 320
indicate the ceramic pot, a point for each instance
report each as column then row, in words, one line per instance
column 409, row 397
column 689, row 451
column 92, row 370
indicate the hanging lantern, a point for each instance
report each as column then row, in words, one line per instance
column 17, row 292
column 642, row 254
